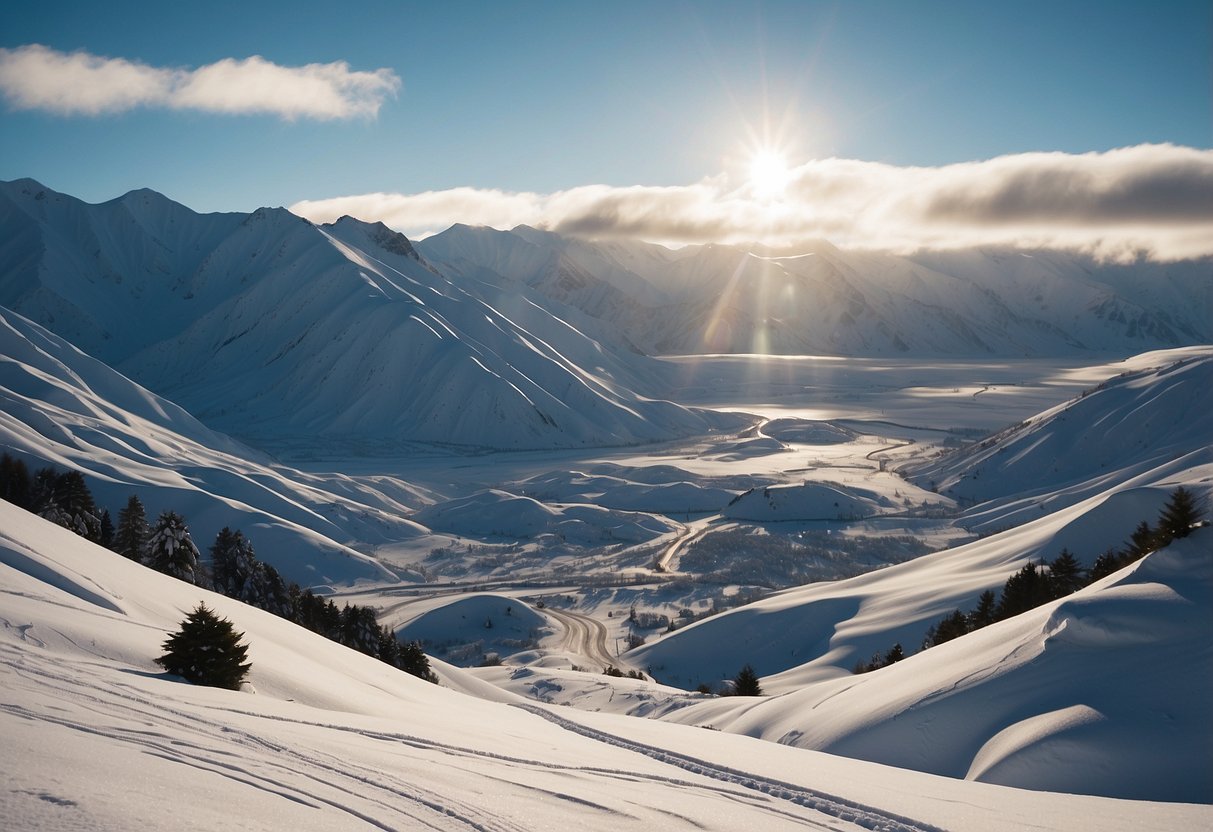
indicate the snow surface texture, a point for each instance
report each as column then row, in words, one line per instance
column 270, row 328
column 97, row 738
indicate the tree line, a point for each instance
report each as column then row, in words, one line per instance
column 1039, row 583
column 235, row 571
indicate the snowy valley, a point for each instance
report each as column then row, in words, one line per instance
column 594, row 480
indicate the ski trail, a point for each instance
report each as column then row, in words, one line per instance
column 867, row 817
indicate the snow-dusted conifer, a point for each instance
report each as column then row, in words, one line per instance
column 171, row 550
column 206, row 651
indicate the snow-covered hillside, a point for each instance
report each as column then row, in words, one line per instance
column 96, row 737
column 1104, row 692
column 269, row 327
column 821, row 300
column 1127, row 425
column 61, row 407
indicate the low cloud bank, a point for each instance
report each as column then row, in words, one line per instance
column 36, row 77
column 1151, row 200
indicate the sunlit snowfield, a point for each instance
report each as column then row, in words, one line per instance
column 599, row 532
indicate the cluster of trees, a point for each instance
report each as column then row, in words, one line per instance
column 1038, row 583
column 235, row 570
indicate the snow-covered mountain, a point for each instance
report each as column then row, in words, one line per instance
column 825, row 301
column 269, row 327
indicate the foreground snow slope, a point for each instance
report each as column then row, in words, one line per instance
column 96, row 737
column 1104, row 692
column 61, row 407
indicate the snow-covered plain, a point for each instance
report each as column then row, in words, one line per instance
column 95, row 737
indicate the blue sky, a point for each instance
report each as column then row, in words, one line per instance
column 542, row 97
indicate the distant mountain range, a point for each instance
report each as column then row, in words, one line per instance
column 267, row 326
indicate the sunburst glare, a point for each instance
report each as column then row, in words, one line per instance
column 769, row 172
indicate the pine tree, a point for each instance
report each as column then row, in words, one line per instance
column 895, row 654
column 73, row 506
column 1025, row 590
column 745, row 683
column 954, row 625
column 984, row 614
column 206, row 650
column 1106, row 564
column 1179, row 515
column 107, row 530
column 130, row 538
column 15, row 481
column 1065, row 575
column 171, row 550
column 268, row 591
column 230, row 568
column 42, row 490
column 412, row 659
column 1142, row 542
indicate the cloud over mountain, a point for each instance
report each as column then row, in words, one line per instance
column 1152, row 200
column 36, row 77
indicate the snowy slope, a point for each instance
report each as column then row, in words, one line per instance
column 269, row 327
column 1105, row 692
column 821, row 300
column 97, row 737
column 61, row 407
column 1127, row 425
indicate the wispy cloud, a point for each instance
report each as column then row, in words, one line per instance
column 1151, row 200
column 35, row 77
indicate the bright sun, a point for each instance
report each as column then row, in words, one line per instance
column 769, row 173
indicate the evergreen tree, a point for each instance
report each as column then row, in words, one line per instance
column 73, row 506
column 412, row 659
column 1179, row 515
column 953, row 625
column 1065, row 575
column 894, row 654
column 171, row 550
column 1025, row 590
column 745, row 683
column 15, row 481
column 107, row 530
column 359, row 629
column 984, row 614
column 206, row 650
column 1142, row 542
column 268, row 591
column 231, row 562
column 1106, row 564
column 130, row 538
column 42, row 490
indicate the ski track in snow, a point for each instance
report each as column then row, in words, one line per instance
column 216, row 745
column 272, row 766
column 866, row 817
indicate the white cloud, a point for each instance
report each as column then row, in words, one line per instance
column 36, row 77
column 1151, row 200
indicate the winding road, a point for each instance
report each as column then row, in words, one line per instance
column 584, row 636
